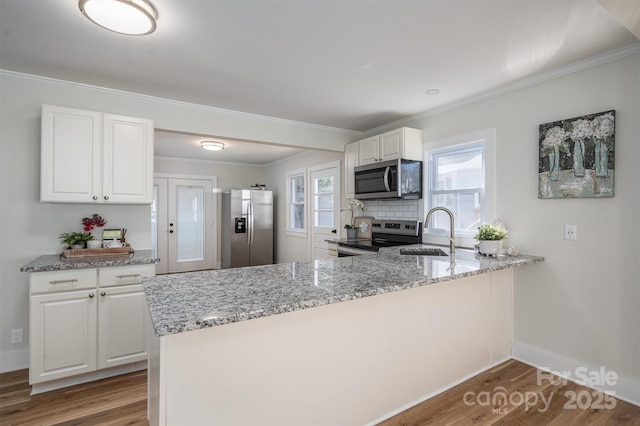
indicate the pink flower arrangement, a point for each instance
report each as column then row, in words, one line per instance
column 88, row 223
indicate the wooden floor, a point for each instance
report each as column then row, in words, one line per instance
column 116, row 401
column 122, row 401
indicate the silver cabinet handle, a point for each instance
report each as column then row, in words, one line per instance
column 71, row 281
column 95, row 197
column 127, row 276
column 91, row 296
column 106, row 197
column 103, row 293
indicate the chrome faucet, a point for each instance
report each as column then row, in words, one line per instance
column 452, row 241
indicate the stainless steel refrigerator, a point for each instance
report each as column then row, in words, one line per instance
column 247, row 228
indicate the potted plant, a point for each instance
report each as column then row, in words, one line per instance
column 490, row 238
column 352, row 233
column 76, row 240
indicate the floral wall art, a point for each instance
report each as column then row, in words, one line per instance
column 577, row 157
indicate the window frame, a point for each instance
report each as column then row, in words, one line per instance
column 289, row 176
column 485, row 138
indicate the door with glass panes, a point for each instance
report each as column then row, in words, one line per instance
column 325, row 207
column 182, row 224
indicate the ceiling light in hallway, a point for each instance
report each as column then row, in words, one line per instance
column 130, row 17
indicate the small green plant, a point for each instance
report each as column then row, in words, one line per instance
column 348, row 226
column 75, row 238
column 488, row 232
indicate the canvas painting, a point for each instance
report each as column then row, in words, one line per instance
column 576, row 157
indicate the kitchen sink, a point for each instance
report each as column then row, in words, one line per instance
column 423, row 251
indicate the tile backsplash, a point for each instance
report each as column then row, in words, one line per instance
column 392, row 209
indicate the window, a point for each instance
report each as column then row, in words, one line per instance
column 460, row 177
column 296, row 196
column 324, row 196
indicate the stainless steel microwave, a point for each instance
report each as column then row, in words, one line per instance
column 389, row 179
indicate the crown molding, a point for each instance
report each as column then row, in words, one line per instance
column 584, row 64
column 31, row 78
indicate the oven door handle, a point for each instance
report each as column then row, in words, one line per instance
column 386, row 178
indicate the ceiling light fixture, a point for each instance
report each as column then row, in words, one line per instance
column 432, row 91
column 130, row 17
column 212, row 146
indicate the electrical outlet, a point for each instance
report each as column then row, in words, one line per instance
column 570, row 232
column 16, row 335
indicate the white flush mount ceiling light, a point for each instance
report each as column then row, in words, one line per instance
column 212, row 146
column 432, row 91
column 131, row 17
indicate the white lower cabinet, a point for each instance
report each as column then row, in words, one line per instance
column 122, row 326
column 63, row 335
column 95, row 319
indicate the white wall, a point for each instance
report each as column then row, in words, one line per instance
column 29, row 229
column 581, row 307
column 292, row 248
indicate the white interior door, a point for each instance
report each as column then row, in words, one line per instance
column 182, row 213
column 325, row 207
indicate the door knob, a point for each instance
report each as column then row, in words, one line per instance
column 91, row 295
column 102, row 293
column 171, row 231
column 171, row 224
column 106, row 197
column 333, row 231
column 95, row 197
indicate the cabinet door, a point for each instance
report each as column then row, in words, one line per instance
column 350, row 162
column 122, row 325
column 70, row 155
column 127, row 160
column 368, row 151
column 63, row 335
column 391, row 145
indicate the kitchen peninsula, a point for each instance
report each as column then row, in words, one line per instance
column 411, row 326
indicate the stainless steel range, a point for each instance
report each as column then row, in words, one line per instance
column 385, row 233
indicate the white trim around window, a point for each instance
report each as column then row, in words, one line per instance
column 485, row 138
column 296, row 226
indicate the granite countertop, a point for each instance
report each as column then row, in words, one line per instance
column 195, row 300
column 52, row 262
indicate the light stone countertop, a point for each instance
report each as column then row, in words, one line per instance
column 52, row 262
column 195, row 300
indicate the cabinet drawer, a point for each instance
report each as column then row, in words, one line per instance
column 49, row 281
column 124, row 275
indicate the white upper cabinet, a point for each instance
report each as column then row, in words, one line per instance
column 400, row 143
column 350, row 161
column 368, row 150
column 91, row 157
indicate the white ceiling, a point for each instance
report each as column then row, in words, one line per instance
column 180, row 145
column 355, row 64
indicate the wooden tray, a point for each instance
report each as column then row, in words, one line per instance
column 96, row 255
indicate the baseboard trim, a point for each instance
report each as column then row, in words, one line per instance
column 436, row 392
column 14, row 360
column 85, row 378
column 626, row 389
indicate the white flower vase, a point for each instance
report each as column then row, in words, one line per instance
column 490, row 247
